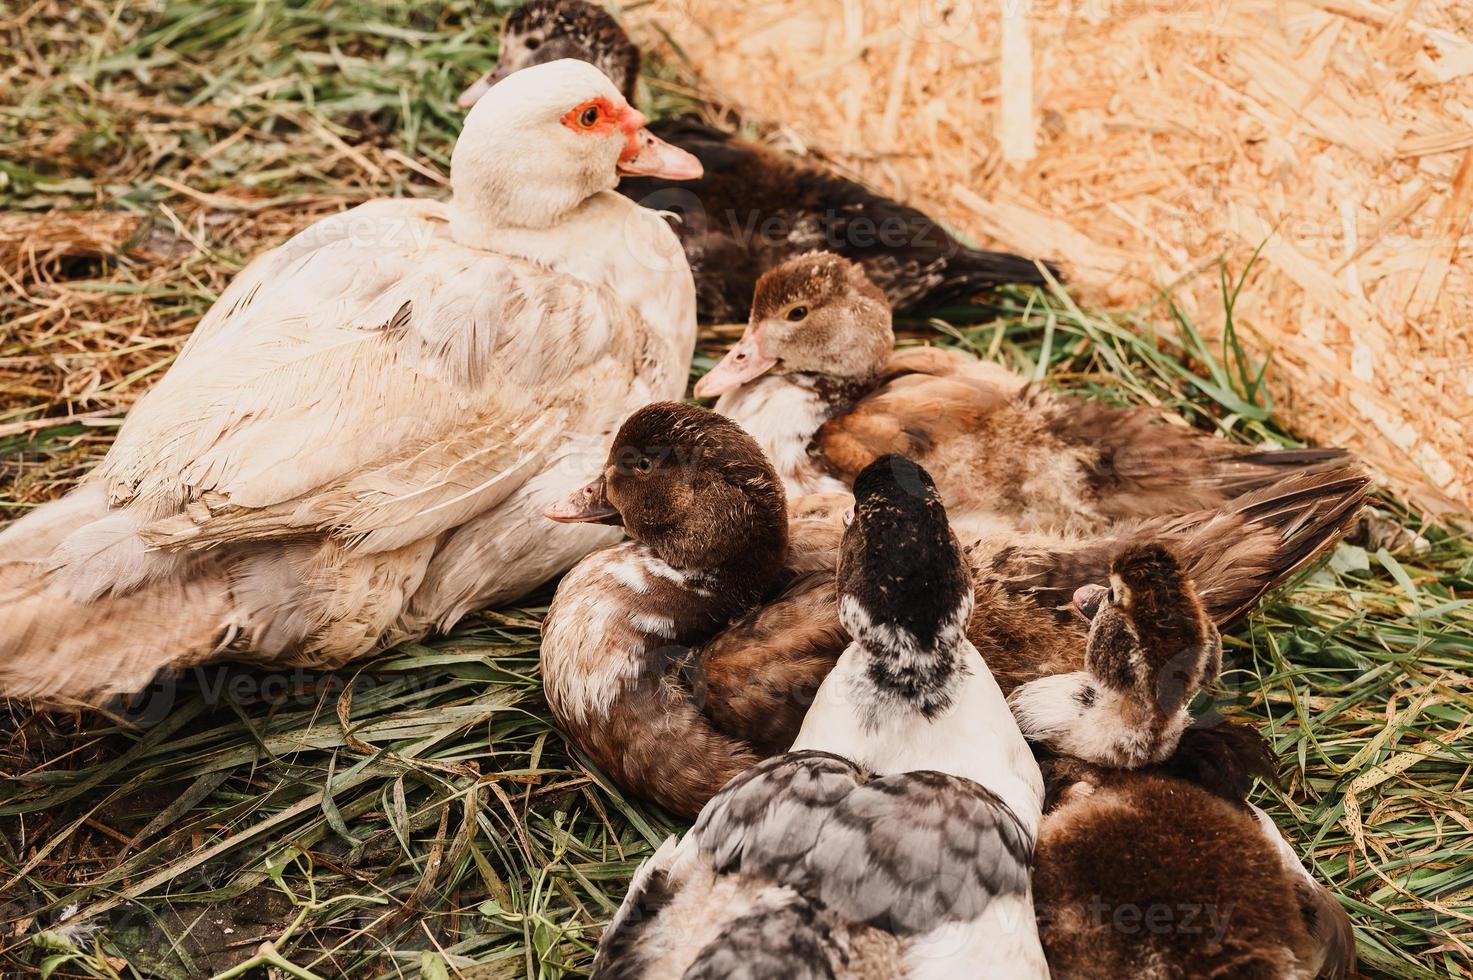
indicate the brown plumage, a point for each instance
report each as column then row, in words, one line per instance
column 1146, row 876
column 710, row 523
column 811, row 382
column 1166, row 871
column 754, row 208
column 1024, row 623
column 752, row 621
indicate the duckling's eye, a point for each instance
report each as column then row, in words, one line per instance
column 797, row 313
column 644, row 464
column 589, row 117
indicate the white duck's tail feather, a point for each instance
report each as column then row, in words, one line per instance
column 57, row 647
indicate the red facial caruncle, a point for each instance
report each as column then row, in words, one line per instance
column 599, row 116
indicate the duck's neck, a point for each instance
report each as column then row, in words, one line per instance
column 909, row 682
column 611, row 242
column 751, row 570
column 895, row 705
column 625, row 615
column 784, row 412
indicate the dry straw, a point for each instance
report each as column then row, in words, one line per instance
column 1143, row 140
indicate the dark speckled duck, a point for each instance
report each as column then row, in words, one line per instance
column 754, row 207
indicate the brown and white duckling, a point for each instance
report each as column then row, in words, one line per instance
column 755, row 208
column 1168, row 871
column 1151, row 648
column 1210, row 887
column 895, row 839
column 639, row 645
column 711, row 541
column 812, row 381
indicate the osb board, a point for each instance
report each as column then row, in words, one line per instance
column 1337, row 134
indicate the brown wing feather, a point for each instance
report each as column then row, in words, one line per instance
column 761, row 673
column 1234, row 554
column 1142, row 465
column 912, row 414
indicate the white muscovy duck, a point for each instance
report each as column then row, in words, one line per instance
column 896, row 838
column 356, row 445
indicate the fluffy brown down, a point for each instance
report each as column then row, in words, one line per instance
column 1141, row 875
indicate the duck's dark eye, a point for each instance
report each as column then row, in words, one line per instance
column 588, row 118
column 532, row 43
column 797, row 313
column 644, row 464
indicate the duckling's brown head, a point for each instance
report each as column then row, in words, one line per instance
column 1149, row 632
column 901, row 577
column 693, row 486
column 1150, row 649
column 548, row 30
column 817, row 313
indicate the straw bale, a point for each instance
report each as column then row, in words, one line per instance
column 1155, row 137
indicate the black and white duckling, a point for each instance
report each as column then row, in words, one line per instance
column 754, row 207
column 895, row 839
column 678, row 659
column 814, row 380
column 1167, row 871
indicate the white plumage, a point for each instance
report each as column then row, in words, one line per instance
column 357, row 443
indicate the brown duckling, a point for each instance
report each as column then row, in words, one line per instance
column 813, row 380
column 754, row 207
column 679, row 658
column 711, row 541
column 1151, row 648
column 1151, row 861
column 1168, row 871
column 896, row 838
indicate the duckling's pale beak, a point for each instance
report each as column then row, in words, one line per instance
column 481, row 87
column 587, row 505
column 646, row 155
column 741, row 364
column 1087, row 599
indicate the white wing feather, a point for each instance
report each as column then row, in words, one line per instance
column 383, row 383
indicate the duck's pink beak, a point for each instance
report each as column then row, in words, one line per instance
column 1087, row 599
column 587, row 505
column 741, row 364
column 646, row 155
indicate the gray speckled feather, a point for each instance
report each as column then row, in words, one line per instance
column 905, row 852
column 790, row 940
